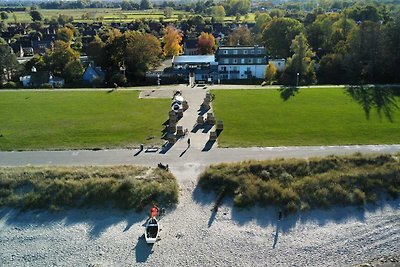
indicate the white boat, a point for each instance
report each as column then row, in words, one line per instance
column 177, row 101
column 152, row 229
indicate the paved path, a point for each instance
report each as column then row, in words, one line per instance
column 172, row 157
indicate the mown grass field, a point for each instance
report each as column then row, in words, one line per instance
column 55, row 188
column 79, row 119
column 312, row 117
column 298, row 184
column 108, row 14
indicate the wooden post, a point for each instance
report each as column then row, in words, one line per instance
column 179, row 130
column 213, row 135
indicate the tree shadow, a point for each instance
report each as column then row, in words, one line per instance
column 208, row 145
column 286, row 92
column 97, row 220
column 382, row 98
column 269, row 216
column 143, row 250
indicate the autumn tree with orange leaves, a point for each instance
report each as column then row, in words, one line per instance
column 172, row 39
column 206, row 44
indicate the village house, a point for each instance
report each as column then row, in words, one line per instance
column 241, row 62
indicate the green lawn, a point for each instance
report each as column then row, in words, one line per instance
column 313, row 117
column 60, row 120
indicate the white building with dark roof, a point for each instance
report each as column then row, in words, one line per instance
column 241, row 62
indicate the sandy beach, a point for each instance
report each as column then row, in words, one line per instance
column 192, row 235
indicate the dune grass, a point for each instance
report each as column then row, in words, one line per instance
column 297, row 184
column 55, row 188
column 312, row 117
column 79, row 119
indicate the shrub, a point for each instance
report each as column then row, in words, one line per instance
column 10, row 85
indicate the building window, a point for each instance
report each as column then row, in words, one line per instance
column 258, row 60
column 225, row 51
column 242, row 60
column 235, row 52
column 251, row 51
column 226, row 60
column 250, row 61
column 245, row 52
column 235, row 61
column 259, row 51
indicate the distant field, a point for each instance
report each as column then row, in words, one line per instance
column 108, row 14
column 62, row 120
column 313, row 117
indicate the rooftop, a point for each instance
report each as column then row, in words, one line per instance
column 240, row 47
column 194, row 59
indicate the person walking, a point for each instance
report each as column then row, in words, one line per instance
column 188, row 142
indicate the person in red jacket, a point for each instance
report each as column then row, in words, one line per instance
column 154, row 211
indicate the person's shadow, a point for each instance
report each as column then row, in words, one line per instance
column 276, row 235
column 184, row 151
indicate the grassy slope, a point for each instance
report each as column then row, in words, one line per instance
column 69, row 187
column 313, row 117
column 56, row 120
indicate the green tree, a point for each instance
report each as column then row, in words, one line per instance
column 73, row 72
column 300, row 66
column 218, row 13
column 36, row 15
column 331, row 69
column 270, row 73
column 143, row 52
column 168, row 12
column 3, row 15
column 242, row 36
column 278, row 35
column 364, row 60
column 145, row 4
column 233, row 7
column 319, row 33
column 57, row 59
column 65, row 34
column 8, row 63
column 261, row 22
column 96, row 51
column 64, row 19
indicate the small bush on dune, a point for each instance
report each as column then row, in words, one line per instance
column 300, row 184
